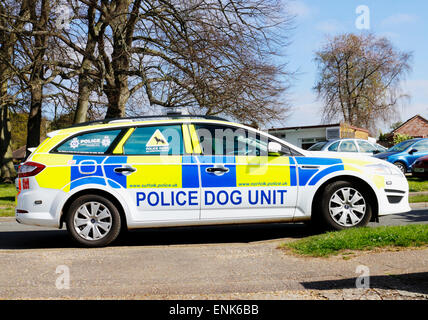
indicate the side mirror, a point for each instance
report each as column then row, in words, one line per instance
column 376, row 151
column 412, row 151
column 274, row 147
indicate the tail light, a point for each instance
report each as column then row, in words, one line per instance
column 30, row 169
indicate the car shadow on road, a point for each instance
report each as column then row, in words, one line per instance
column 34, row 239
column 414, row 216
column 411, row 282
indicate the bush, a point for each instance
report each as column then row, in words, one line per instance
column 401, row 137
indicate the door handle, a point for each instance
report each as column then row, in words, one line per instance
column 310, row 167
column 218, row 170
column 125, row 170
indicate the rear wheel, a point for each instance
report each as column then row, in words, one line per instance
column 345, row 205
column 93, row 221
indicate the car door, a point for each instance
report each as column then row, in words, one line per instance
column 239, row 179
column 420, row 149
column 162, row 181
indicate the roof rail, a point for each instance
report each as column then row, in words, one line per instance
column 138, row 118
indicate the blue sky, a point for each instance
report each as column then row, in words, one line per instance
column 405, row 23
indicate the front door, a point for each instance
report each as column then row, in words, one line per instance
column 239, row 179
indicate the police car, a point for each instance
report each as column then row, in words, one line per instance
column 102, row 177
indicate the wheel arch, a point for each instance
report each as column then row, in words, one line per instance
column 353, row 179
column 94, row 191
column 402, row 161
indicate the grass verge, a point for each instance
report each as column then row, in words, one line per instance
column 7, row 200
column 418, row 198
column 366, row 238
column 417, row 185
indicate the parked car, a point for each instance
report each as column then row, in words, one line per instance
column 420, row 167
column 405, row 153
column 348, row 145
column 100, row 178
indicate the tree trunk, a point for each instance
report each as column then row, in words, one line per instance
column 118, row 93
column 35, row 115
column 117, row 98
column 83, row 99
column 8, row 172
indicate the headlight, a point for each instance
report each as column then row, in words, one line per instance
column 383, row 170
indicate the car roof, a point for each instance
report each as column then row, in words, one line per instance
column 129, row 122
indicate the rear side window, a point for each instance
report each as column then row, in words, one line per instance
column 348, row 146
column 155, row 140
column 93, row 142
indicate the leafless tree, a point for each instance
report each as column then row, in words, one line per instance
column 7, row 96
column 359, row 79
column 211, row 56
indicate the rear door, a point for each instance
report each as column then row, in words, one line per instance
column 161, row 178
column 239, row 179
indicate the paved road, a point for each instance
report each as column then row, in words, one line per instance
column 213, row 262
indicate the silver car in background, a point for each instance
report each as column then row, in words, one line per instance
column 348, row 145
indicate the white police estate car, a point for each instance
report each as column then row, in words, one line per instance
column 194, row 170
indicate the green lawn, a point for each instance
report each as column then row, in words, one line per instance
column 7, row 200
column 416, row 184
column 366, row 238
column 418, row 198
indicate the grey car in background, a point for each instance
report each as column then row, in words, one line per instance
column 348, row 145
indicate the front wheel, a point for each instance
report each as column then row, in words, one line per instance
column 401, row 166
column 93, row 221
column 345, row 205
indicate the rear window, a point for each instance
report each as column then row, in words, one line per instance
column 333, row 147
column 155, row 140
column 317, row 146
column 93, row 142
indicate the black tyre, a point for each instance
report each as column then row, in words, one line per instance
column 345, row 205
column 93, row 221
column 401, row 166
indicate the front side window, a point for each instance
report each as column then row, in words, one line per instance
column 155, row 140
column 90, row 143
column 366, row 146
column 421, row 146
column 223, row 140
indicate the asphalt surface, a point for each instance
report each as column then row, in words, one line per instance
column 203, row 262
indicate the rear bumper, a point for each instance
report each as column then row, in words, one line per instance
column 40, row 206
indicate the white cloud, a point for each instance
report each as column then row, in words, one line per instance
column 329, row 26
column 418, row 104
column 299, row 9
column 417, row 88
column 399, row 19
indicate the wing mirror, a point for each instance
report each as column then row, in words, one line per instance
column 412, row 151
column 274, row 147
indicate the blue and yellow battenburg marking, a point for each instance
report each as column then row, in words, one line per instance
column 67, row 172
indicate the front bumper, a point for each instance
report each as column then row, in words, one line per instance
column 394, row 197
